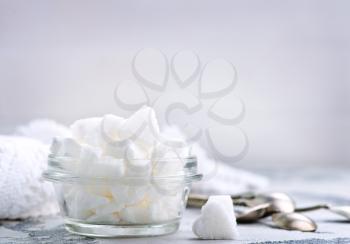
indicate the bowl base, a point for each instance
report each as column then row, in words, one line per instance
column 103, row 230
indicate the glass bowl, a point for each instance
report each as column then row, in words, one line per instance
column 127, row 206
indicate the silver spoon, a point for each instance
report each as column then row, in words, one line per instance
column 294, row 221
column 258, row 211
column 248, row 215
column 287, row 221
column 198, row 200
column 279, row 202
column 339, row 210
column 252, row 214
column 262, row 205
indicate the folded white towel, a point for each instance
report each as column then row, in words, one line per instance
column 23, row 192
column 23, row 158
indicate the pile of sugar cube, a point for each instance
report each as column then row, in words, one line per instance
column 115, row 148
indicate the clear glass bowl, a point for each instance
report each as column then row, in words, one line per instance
column 99, row 206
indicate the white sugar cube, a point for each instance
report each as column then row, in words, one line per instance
column 140, row 212
column 110, row 126
column 217, row 220
column 109, row 167
column 89, row 154
column 109, row 218
column 93, row 163
column 81, row 204
column 88, row 131
column 110, row 208
column 167, row 161
column 151, row 209
column 129, row 195
column 141, row 127
column 134, row 151
column 115, row 150
column 135, row 214
column 168, row 167
column 138, row 167
column 120, row 193
column 170, row 149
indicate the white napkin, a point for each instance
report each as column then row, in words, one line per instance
column 23, row 158
column 219, row 178
column 222, row 179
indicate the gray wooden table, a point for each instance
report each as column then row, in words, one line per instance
column 307, row 186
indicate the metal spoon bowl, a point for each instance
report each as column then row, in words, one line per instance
column 279, row 202
column 294, row 221
column 252, row 214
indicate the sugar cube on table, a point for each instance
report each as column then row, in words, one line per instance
column 217, row 220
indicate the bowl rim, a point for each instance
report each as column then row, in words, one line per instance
column 69, row 178
column 56, row 173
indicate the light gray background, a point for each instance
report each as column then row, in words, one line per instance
column 62, row 60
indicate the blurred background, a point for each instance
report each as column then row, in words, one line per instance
column 63, row 59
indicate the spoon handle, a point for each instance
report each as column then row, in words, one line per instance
column 311, row 208
column 198, row 200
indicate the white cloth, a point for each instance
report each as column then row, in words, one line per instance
column 219, row 178
column 222, row 179
column 23, row 192
column 23, row 158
